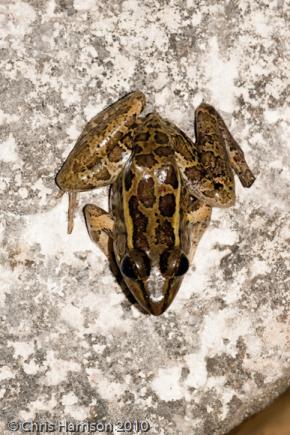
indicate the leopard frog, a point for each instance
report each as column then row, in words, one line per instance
column 163, row 187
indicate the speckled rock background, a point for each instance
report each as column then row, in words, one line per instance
column 73, row 347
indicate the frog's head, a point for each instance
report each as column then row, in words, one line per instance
column 154, row 279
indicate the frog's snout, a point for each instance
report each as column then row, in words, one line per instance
column 158, row 308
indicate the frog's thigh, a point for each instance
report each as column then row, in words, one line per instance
column 199, row 219
column 235, row 153
column 103, row 147
column 100, row 225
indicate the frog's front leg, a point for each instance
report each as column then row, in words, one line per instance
column 102, row 148
column 100, row 226
column 198, row 217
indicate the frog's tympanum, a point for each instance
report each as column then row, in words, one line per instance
column 163, row 187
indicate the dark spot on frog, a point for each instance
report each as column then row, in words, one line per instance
column 115, row 154
column 218, row 186
column 164, row 234
column 161, row 137
column 145, row 192
column 142, row 137
column 146, row 160
column 140, row 222
column 137, row 149
column 163, row 261
column 193, row 173
column 128, row 179
column 133, row 126
column 102, row 174
column 164, row 151
column 167, row 205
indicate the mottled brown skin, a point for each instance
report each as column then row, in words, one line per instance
column 163, row 189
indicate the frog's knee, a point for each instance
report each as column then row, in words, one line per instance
column 63, row 180
column 222, row 197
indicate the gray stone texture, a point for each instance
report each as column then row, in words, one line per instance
column 73, row 346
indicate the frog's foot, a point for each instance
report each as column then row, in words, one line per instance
column 100, row 226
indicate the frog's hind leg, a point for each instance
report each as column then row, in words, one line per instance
column 102, row 149
column 205, row 169
column 207, row 164
column 234, row 151
column 100, row 226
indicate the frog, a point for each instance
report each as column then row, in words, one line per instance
column 163, row 186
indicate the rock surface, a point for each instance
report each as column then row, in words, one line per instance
column 73, row 347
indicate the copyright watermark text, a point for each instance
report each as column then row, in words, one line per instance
column 30, row 426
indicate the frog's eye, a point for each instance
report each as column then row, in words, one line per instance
column 173, row 262
column 136, row 264
column 183, row 265
column 127, row 268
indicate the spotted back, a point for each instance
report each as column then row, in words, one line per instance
column 150, row 218
column 151, row 190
